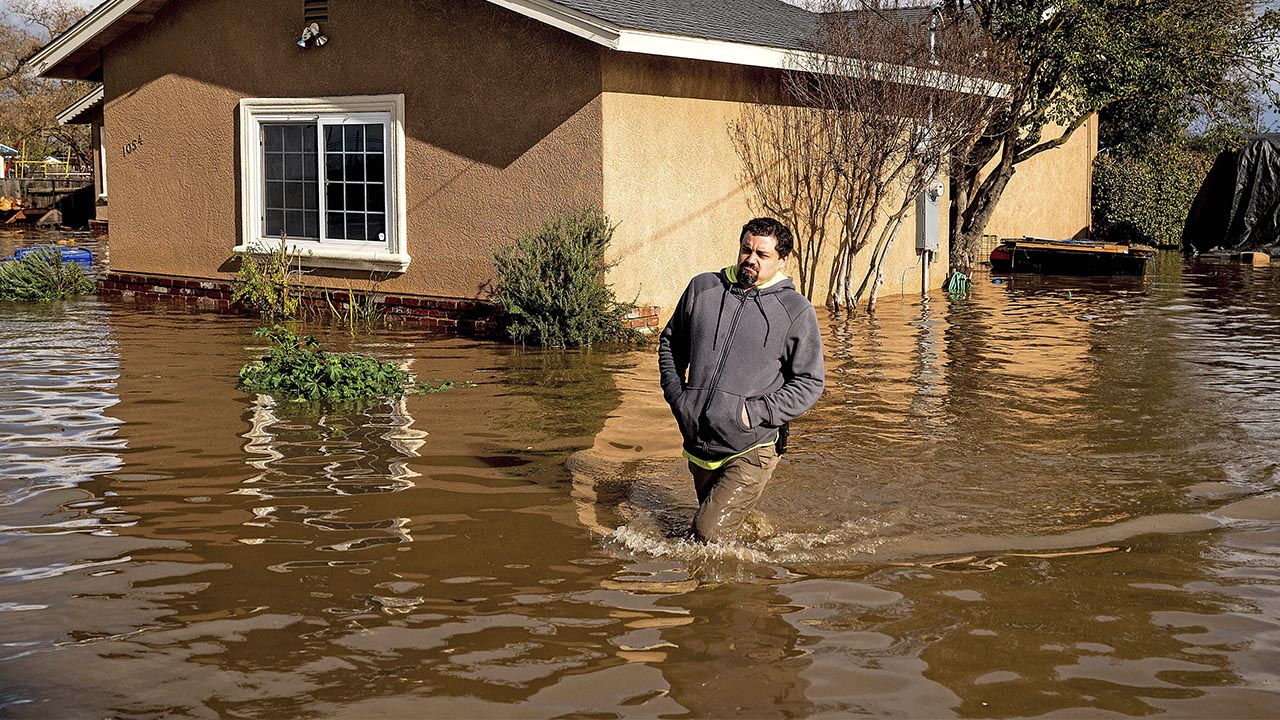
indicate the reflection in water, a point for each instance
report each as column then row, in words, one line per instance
column 1054, row 497
column 361, row 451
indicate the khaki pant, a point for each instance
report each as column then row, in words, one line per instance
column 728, row 493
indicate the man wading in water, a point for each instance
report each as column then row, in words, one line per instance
column 740, row 358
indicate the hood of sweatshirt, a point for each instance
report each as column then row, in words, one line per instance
column 731, row 274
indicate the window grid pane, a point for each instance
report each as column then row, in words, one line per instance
column 355, row 194
column 290, row 203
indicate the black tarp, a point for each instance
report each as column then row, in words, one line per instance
column 1238, row 206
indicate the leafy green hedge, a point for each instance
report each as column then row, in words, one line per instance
column 550, row 284
column 296, row 368
column 1145, row 197
column 42, row 275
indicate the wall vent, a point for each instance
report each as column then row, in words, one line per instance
column 315, row 11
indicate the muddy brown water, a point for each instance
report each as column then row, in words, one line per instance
column 1053, row 498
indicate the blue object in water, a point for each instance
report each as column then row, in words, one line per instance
column 79, row 256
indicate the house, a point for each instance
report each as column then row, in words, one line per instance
column 406, row 137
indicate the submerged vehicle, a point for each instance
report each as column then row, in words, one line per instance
column 1070, row 257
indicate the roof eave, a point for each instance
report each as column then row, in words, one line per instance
column 76, row 113
column 566, row 19
column 73, row 54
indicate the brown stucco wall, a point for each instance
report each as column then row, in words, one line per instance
column 502, row 125
column 1050, row 195
column 672, row 180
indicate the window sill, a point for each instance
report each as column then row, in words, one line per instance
column 339, row 258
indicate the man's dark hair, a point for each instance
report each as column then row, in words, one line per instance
column 768, row 227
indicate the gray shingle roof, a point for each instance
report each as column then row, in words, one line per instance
column 771, row 23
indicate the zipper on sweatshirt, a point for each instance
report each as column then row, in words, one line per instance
column 724, row 352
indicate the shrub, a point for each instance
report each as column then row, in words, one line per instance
column 1145, row 196
column 295, row 368
column 42, row 275
column 268, row 283
column 550, row 284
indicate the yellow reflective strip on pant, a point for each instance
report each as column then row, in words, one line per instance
column 717, row 464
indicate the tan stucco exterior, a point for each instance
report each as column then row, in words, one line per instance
column 1050, row 195
column 502, row 126
column 672, row 182
column 671, row 176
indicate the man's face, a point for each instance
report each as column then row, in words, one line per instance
column 758, row 260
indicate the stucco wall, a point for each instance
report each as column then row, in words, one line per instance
column 672, row 180
column 1050, row 195
column 502, row 125
column 671, row 176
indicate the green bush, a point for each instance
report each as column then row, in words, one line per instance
column 1145, row 196
column 295, row 368
column 268, row 283
column 550, row 285
column 42, row 275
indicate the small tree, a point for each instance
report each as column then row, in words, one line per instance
column 784, row 153
column 550, row 284
column 904, row 92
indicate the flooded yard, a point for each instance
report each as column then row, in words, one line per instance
column 1052, row 498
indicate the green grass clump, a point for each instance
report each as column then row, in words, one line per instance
column 295, row 368
column 42, row 275
column 550, row 285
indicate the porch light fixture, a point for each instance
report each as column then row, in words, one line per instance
column 311, row 34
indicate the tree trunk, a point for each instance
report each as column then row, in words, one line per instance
column 972, row 209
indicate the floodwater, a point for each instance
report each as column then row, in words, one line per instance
column 1052, row 498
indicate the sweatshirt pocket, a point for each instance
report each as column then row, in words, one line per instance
column 687, row 409
column 723, row 420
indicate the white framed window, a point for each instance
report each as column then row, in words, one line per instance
column 326, row 175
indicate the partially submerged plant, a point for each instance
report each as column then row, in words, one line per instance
column 295, row 368
column 269, row 282
column 356, row 312
column 550, row 284
column 43, row 275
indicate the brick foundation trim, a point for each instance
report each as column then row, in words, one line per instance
column 465, row 316
column 644, row 318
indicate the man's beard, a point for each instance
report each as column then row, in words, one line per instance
column 747, row 275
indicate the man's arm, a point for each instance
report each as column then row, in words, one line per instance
column 803, row 372
column 673, row 349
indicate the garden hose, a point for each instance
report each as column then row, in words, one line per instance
column 958, row 284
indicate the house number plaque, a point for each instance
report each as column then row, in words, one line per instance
column 133, row 146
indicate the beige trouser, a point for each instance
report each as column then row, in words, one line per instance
column 727, row 494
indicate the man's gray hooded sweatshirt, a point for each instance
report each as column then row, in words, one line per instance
column 725, row 348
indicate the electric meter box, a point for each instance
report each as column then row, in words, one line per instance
column 927, row 217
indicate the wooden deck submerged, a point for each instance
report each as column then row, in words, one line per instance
column 1070, row 257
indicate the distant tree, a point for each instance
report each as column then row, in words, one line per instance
column 29, row 105
column 1153, row 63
